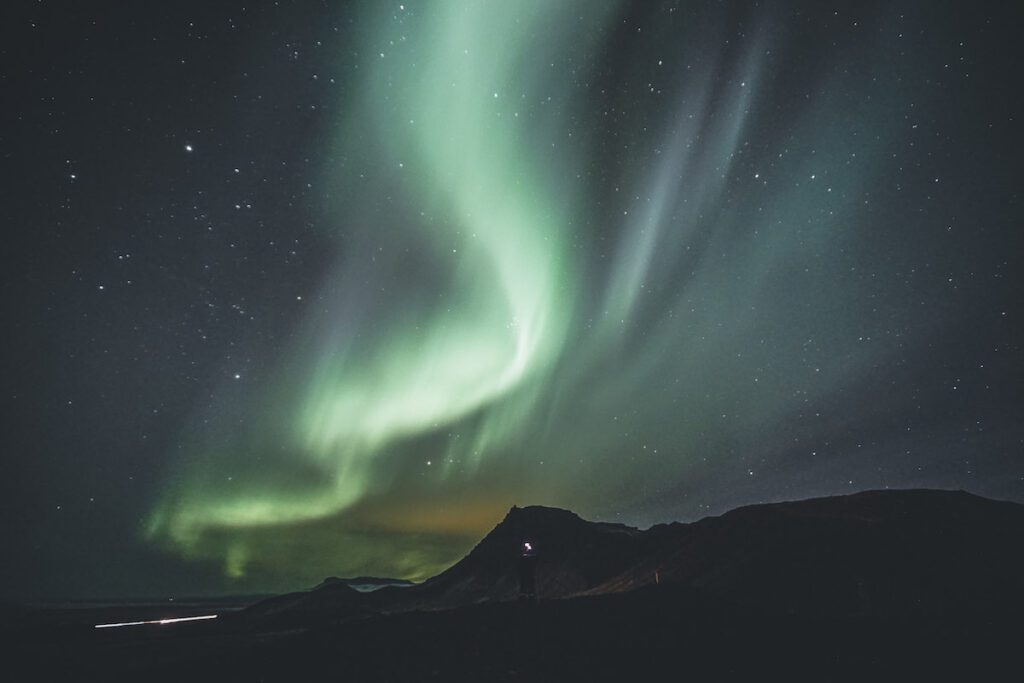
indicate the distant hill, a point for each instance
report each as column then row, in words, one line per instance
column 881, row 585
column 888, row 553
column 363, row 583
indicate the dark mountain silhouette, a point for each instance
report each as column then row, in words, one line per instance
column 881, row 585
column 574, row 556
column 871, row 553
column 364, row 583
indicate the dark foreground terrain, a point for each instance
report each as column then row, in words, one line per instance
column 881, row 585
column 652, row 634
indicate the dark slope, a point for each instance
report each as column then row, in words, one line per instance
column 651, row 634
column 323, row 604
column 885, row 585
column 872, row 553
column 665, row 632
column 877, row 552
column 574, row 555
column 577, row 555
column 363, row 583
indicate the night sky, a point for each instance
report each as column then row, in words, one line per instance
column 298, row 289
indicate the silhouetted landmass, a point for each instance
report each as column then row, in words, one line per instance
column 877, row 552
column 364, row 583
column 889, row 584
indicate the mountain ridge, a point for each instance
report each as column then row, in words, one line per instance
column 871, row 552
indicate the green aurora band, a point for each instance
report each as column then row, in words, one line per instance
column 507, row 324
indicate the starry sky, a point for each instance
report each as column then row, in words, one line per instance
column 298, row 289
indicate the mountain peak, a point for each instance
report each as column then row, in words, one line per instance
column 862, row 553
column 539, row 512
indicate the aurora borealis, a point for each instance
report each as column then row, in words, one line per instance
column 324, row 289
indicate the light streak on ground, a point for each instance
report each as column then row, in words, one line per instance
column 157, row 621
